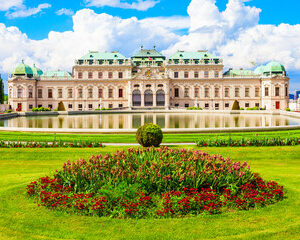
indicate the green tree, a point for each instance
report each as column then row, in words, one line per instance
column 1, row 91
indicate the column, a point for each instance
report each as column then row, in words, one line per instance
column 154, row 99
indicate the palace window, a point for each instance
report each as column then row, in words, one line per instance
column 196, row 74
column 80, row 93
column 206, row 92
column 175, row 74
column 277, row 91
column 148, row 86
column 90, row 93
column 226, row 92
column 70, row 106
column 80, row 75
column 100, row 93
column 186, row 74
column 40, row 93
column 206, row 105
column 266, row 91
column 186, row 92
column 30, row 95
column 216, row 74
column 100, row 75
column 50, row 106
column 205, row 74
column 20, row 92
column 236, row 92
column 120, row 105
column 226, row 105
column 176, row 92
column 90, row 106
column 217, row 106
column 136, row 86
column 216, row 92
column 110, row 75
column 247, row 105
column 110, row 93
column 70, row 93
column 59, row 93
column 120, row 74
column 186, row 105
column 50, row 93
column 30, row 106
column 120, row 93
column 110, row 105
column 160, row 85
column 256, row 92
column 257, row 105
column 80, row 106
column 90, row 75
column 247, row 92
column 286, row 91
column 196, row 92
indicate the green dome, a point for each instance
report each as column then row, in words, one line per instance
column 259, row 70
column 22, row 69
column 274, row 67
column 37, row 71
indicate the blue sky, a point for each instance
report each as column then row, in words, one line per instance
column 36, row 18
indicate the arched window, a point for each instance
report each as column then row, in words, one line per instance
column 160, row 98
column 148, row 98
column 136, row 98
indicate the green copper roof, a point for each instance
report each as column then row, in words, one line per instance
column 241, row 72
column 146, row 53
column 37, row 71
column 103, row 56
column 193, row 55
column 274, row 67
column 23, row 69
column 259, row 70
column 51, row 74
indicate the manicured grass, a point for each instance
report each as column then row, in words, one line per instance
column 130, row 138
column 22, row 219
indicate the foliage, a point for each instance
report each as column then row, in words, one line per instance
column 149, row 135
column 288, row 109
column 253, row 108
column 194, row 108
column 102, row 109
column 2, row 96
column 242, row 108
column 152, row 182
column 55, row 144
column 61, row 106
column 243, row 142
column 40, row 109
column 8, row 111
column 235, row 105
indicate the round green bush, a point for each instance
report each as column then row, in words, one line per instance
column 149, row 135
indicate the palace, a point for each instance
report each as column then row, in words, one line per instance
column 148, row 80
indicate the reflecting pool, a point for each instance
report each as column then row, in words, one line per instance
column 164, row 120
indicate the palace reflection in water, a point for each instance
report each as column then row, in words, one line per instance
column 164, row 120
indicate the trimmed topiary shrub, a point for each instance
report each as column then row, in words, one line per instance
column 149, row 135
column 61, row 106
column 236, row 105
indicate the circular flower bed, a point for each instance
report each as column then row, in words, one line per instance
column 162, row 182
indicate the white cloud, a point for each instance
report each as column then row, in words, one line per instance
column 91, row 31
column 26, row 12
column 141, row 5
column 234, row 34
column 8, row 4
column 65, row 11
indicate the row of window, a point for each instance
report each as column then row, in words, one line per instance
column 100, row 75
column 226, row 92
column 196, row 74
column 216, row 105
column 80, row 106
column 70, row 93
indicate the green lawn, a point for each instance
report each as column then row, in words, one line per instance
column 130, row 138
column 20, row 218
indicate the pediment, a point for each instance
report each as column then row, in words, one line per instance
column 150, row 73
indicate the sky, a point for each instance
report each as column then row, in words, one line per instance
column 245, row 33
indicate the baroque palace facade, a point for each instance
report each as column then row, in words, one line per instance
column 148, row 80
